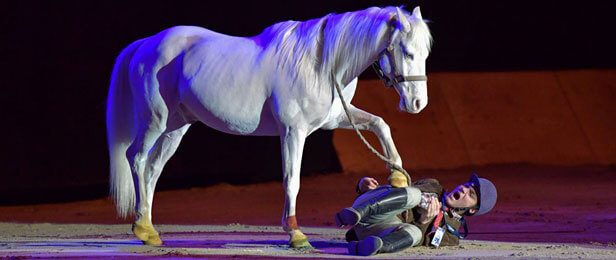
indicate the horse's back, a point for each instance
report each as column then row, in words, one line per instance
column 169, row 43
column 233, row 84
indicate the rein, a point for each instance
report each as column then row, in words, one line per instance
column 388, row 83
column 363, row 139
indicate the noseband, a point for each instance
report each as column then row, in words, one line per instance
column 397, row 77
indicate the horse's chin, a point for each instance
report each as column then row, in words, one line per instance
column 413, row 111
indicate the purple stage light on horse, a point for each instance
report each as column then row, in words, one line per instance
column 282, row 82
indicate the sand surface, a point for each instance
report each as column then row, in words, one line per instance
column 542, row 212
column 246, row 241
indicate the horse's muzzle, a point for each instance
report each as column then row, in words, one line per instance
column 414, row 106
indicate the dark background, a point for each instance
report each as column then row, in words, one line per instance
column 57, row 58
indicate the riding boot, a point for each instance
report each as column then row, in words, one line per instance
column 351, row 235
column 366, row 247
column 393, row 199
column 396, row 241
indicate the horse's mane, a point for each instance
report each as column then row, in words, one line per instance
column 326, row 44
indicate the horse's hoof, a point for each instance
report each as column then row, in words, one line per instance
column 153, row 241
column 147, row 234
column 299, row 240
column 398, row 179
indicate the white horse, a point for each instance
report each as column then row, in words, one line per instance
column 278, row 83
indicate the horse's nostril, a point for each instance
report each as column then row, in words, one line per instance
column 417, row 103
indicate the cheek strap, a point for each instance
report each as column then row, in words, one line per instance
column 397, row 78
column 384, row 62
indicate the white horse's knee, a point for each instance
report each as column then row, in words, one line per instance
column 374, row 125
column 380, row 124
column 381, row 127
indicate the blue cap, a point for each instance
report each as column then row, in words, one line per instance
column 487, row 194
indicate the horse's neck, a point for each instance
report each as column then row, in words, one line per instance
column 356, row 49
column 336, row 47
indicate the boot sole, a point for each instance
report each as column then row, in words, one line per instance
column 347, row 216
column 367, row 247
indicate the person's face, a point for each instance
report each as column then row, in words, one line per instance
column 463, row 196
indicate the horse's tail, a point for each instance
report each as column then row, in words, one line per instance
column 120, row 132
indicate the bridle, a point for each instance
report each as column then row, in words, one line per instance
column 389, row 82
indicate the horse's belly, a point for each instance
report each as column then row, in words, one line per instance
column 240, row 116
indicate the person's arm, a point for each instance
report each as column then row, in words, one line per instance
column 431, row 212
column 366, row 184
column 426, row 219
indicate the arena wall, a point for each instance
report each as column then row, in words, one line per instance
column 478, row 118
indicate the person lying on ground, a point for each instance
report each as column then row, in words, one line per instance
column 385, row 219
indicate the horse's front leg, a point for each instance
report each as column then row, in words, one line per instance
column 366, row 121
column 292, row 146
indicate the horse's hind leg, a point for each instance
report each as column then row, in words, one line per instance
column 162, row 151
column 151, row 122
column 165, row 147
column 137, row 155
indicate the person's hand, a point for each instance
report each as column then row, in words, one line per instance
column 431, row 212
column 367, row 183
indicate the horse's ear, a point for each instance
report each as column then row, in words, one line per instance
column 403, row 23
column 417, row 13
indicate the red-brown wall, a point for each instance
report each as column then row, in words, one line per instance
column 477, row 118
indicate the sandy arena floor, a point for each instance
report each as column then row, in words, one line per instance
column 244, row 241
column 542, row 212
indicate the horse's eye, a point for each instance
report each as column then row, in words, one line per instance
column 409, row 56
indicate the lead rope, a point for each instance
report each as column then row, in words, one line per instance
column 374, row 151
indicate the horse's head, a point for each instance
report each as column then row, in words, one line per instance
column 402, row 64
